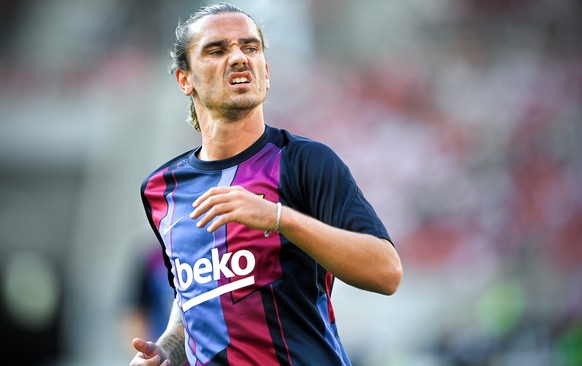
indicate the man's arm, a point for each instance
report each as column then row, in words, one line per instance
column 361, row 260
column 169, row 349
column 172, row 340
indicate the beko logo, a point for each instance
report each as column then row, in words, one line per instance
column 205, row 270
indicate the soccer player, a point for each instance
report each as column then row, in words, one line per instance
column 255, row 223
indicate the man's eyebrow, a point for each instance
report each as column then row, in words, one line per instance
column 224, row 43
column 249, row 40
column 221, row 44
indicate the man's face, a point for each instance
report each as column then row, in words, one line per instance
column 228, row 70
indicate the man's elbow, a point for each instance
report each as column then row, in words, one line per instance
column 391, row 271
column 392, row 279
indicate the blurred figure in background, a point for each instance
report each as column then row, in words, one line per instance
column 150, row 301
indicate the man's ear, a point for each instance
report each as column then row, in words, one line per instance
column 182, row 77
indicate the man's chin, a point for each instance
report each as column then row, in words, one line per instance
column 238, row 111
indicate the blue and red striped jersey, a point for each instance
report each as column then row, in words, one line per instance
column 248, row 299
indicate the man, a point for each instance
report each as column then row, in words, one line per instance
column 255, row 223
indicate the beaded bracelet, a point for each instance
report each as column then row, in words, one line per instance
column 276, row 229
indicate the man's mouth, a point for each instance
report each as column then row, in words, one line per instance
column 239, row 80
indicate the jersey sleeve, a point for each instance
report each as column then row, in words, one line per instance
column 323, row 187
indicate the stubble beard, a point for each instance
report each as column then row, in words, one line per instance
column 240, row 106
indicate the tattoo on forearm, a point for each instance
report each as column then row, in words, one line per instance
column 175, row 349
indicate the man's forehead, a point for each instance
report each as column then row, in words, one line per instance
column 224, row 26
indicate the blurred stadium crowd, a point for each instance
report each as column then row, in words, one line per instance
column 461, row 120
column 470, row 143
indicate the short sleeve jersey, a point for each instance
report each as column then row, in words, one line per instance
column 248, row 299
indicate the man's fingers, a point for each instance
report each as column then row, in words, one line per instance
column 214, row 212
column 211, row 192
column 223, row 205
column 204, row 206
column 147, row 348
column 217, row 191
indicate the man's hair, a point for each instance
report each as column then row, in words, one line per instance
column 179, row 52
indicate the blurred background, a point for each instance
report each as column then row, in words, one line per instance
column 460, row 119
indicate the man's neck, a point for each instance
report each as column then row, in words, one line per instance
column 224, row 139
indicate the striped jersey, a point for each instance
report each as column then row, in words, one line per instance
column 248, row 299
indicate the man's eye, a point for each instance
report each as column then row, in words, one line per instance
column 252, row 49
column 216, row 52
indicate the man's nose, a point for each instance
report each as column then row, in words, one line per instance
column 237, row 56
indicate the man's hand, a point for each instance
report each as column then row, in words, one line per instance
column 234, row 204
column 148, row 354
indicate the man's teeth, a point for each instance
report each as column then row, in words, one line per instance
column 240, row 80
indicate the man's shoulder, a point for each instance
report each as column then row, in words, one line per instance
column 306, row 154
column 301, row 143
column 167, row 165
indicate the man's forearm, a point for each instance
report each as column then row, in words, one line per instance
column 172, row 340
column 360, row 260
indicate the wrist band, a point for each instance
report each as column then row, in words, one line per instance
column 276, row 229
